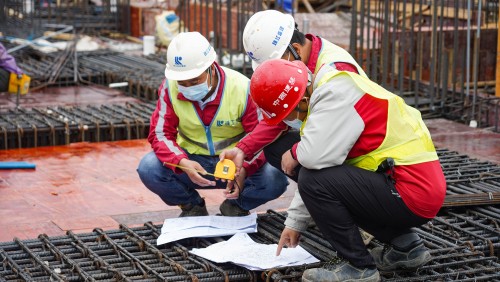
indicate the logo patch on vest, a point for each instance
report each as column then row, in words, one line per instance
column 226, row 122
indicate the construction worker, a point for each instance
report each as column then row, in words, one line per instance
column 367, row 161
column 271, row 34
column 202, row 109
column 7, row 66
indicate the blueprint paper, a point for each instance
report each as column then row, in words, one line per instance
column 223, row 222
column 205, row 226
column 243, row 251
column 200, row 232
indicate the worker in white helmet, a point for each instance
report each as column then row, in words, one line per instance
column 271, row 34
column 202, row 109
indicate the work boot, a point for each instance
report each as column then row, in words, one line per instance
column 193, row 210
column 227, row 208
column 388, row 258
column 341, row 272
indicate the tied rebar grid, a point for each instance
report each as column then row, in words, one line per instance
column 222, row 23
column 434, row 54
column 25, row 19
column 469, row 181
column 119, row 255
column 45, row 69
column 464, row 247
column 144, row 75
column 51, row 126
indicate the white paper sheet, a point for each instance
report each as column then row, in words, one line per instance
column 222, row 222
column 242, row 250
column 205, row 226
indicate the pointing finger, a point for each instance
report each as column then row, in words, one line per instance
column 280, row 246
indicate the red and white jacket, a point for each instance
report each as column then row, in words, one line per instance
column 343, row 123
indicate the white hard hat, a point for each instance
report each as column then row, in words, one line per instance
column 267, row 35
column 188, row 55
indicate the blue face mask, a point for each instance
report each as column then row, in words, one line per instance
column 296, row 123
column 195, row 92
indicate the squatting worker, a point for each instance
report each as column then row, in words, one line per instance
column 271, row 34
column 202, row 109
column 367, row 161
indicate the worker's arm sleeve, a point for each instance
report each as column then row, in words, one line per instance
column 7, row 62
column 333, row 125
column 262, row 135
column 255, row 164
column 163, row 131
column 250, row 122
column 293, row 150
column 298, row 217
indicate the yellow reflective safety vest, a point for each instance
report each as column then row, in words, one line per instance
column 225, row 129
column 331, row 53
column 407, row 138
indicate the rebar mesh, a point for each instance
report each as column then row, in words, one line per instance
column 464, row 246
column 50, row 126
column 28, row 18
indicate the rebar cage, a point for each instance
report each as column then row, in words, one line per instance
column 27, row 19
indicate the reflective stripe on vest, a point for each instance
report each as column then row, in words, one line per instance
column 331, row 53
column 407, row 139
column 218, row 145
column 225, row 129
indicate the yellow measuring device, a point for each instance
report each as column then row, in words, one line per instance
column 225, row 169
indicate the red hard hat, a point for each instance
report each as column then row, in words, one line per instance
column 277, row 86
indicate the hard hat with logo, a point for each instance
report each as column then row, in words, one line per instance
column 277, row 86
column 188, row 55
column 267, row 35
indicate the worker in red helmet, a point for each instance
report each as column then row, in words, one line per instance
column 271, row 34
column 367, row 161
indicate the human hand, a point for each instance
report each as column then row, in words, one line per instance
column 288, row 163
column 289, row 238
column 193, row 170
column 235, row 187
column 236, row 155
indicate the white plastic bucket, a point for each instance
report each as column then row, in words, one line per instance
column 148, row 42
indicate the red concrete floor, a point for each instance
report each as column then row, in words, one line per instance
column 482, row 144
